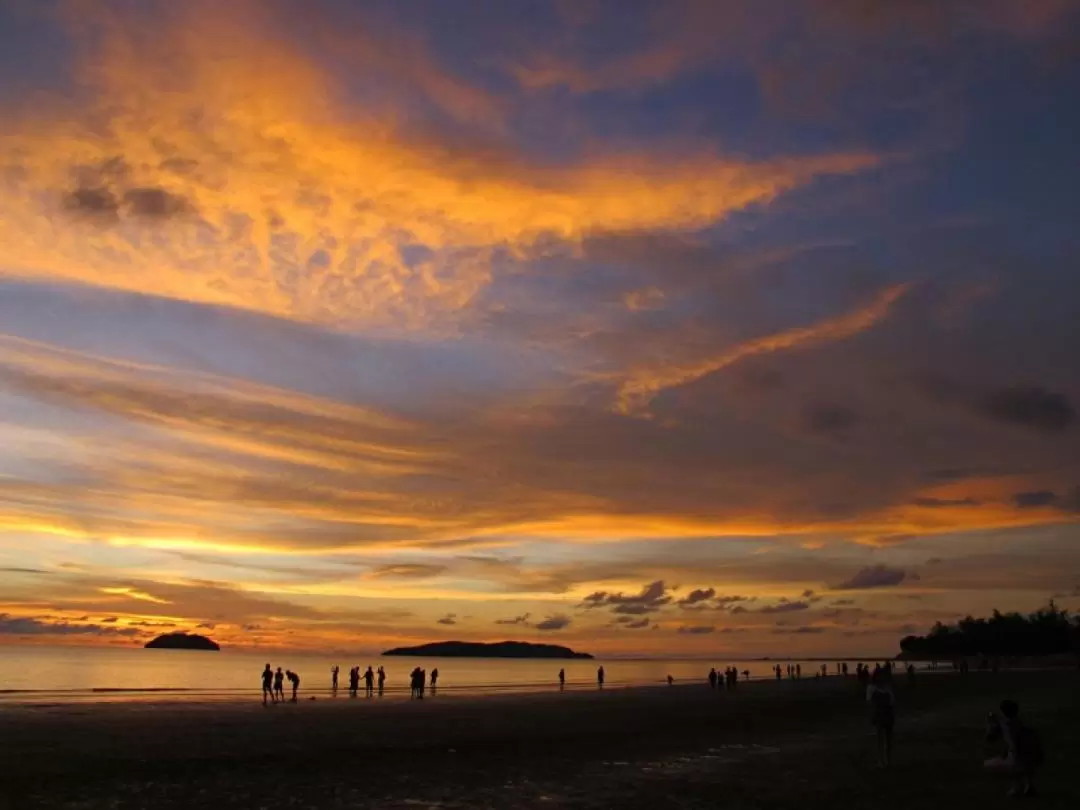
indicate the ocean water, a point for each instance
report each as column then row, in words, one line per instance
column 45, row 673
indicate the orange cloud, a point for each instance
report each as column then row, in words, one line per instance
column 646, row 383
column 217, row 163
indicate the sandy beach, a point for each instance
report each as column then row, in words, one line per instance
column 805, row 744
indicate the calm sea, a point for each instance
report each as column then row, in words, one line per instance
column 41, row 673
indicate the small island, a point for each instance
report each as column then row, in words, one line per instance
column 499, row 649
column 182, row 641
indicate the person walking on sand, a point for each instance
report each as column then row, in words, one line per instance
column 562, row 679
column 334, row 678
column 268, row 685
column 279, row 685
column 294, row 679
column 600, row 677
column 382, row 680
column 882, row 715
column 369, row 683
column 434, row 679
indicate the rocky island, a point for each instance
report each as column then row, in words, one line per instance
column 182, row 641
column 499, row 649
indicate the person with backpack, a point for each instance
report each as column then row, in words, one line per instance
column 1023, row 752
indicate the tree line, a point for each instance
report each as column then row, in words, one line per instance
column 1047, row 631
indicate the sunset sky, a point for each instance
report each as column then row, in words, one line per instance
column 664, row 328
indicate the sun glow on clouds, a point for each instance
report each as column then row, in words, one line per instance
column 213, row 162
column 364, row 351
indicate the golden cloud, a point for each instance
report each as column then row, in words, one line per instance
column 644, row 384
column 213, row 162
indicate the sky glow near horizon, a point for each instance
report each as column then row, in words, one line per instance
column 647, row 328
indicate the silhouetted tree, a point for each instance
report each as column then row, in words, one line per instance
column 1047, row 631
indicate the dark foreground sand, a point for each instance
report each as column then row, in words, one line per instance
column 790, row 745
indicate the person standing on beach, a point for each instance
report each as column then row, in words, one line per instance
column 777, row 670
column 798, row 671
column 434, row 679
column 294, row 679
column 354, row 681
column 333, row 678
column 882, row 714
column 369, row 683
column 712, row 679
column 600, row 677
column 268, row 684
column 562, row 679
column 279, row 684
column 382, row 680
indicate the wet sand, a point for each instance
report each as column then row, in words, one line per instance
column 800, row 744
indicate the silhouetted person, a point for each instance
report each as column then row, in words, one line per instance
column 279, row 684
column 600, row 678
column 434, row 679
column 1023, row 749
column 798, row 671
column 882, row 714
column 354, row 681
column 369, row 682
column 844, row 666
column 824, row 670
column 416, row 683
column 562, row 679
column 294, row 679
column 421, row 684
column 670, row 680
column 382, row 680
column 776, row 669
column 911, row 674
column 333, row 678
column 268, row 685
column 712, row 678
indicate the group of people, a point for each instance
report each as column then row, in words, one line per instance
column 273, row 685
column 729, row 678
column 417, row 680
column 370, row 676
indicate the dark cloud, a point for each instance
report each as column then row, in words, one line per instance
column 522, row 619
column 155, row 203
column 155, row 624
column 30, row 626
column 829, row 419
column 874, row 576
column 652, row 597
column 696, row 630
column 556, row 622
column 807, row 593
column 939, row 503
column 449, row 618
column 92, row 201
column 18, row 570
column 631, row 623
column 842, row 602
column 1034, row 500
column 798, row 631
column 697, row 595
column 738, row 609
column 785, row 607
column 110, row 620
column 1031, row 407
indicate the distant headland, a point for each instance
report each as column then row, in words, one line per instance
column 182, row 641
column 500, row 649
